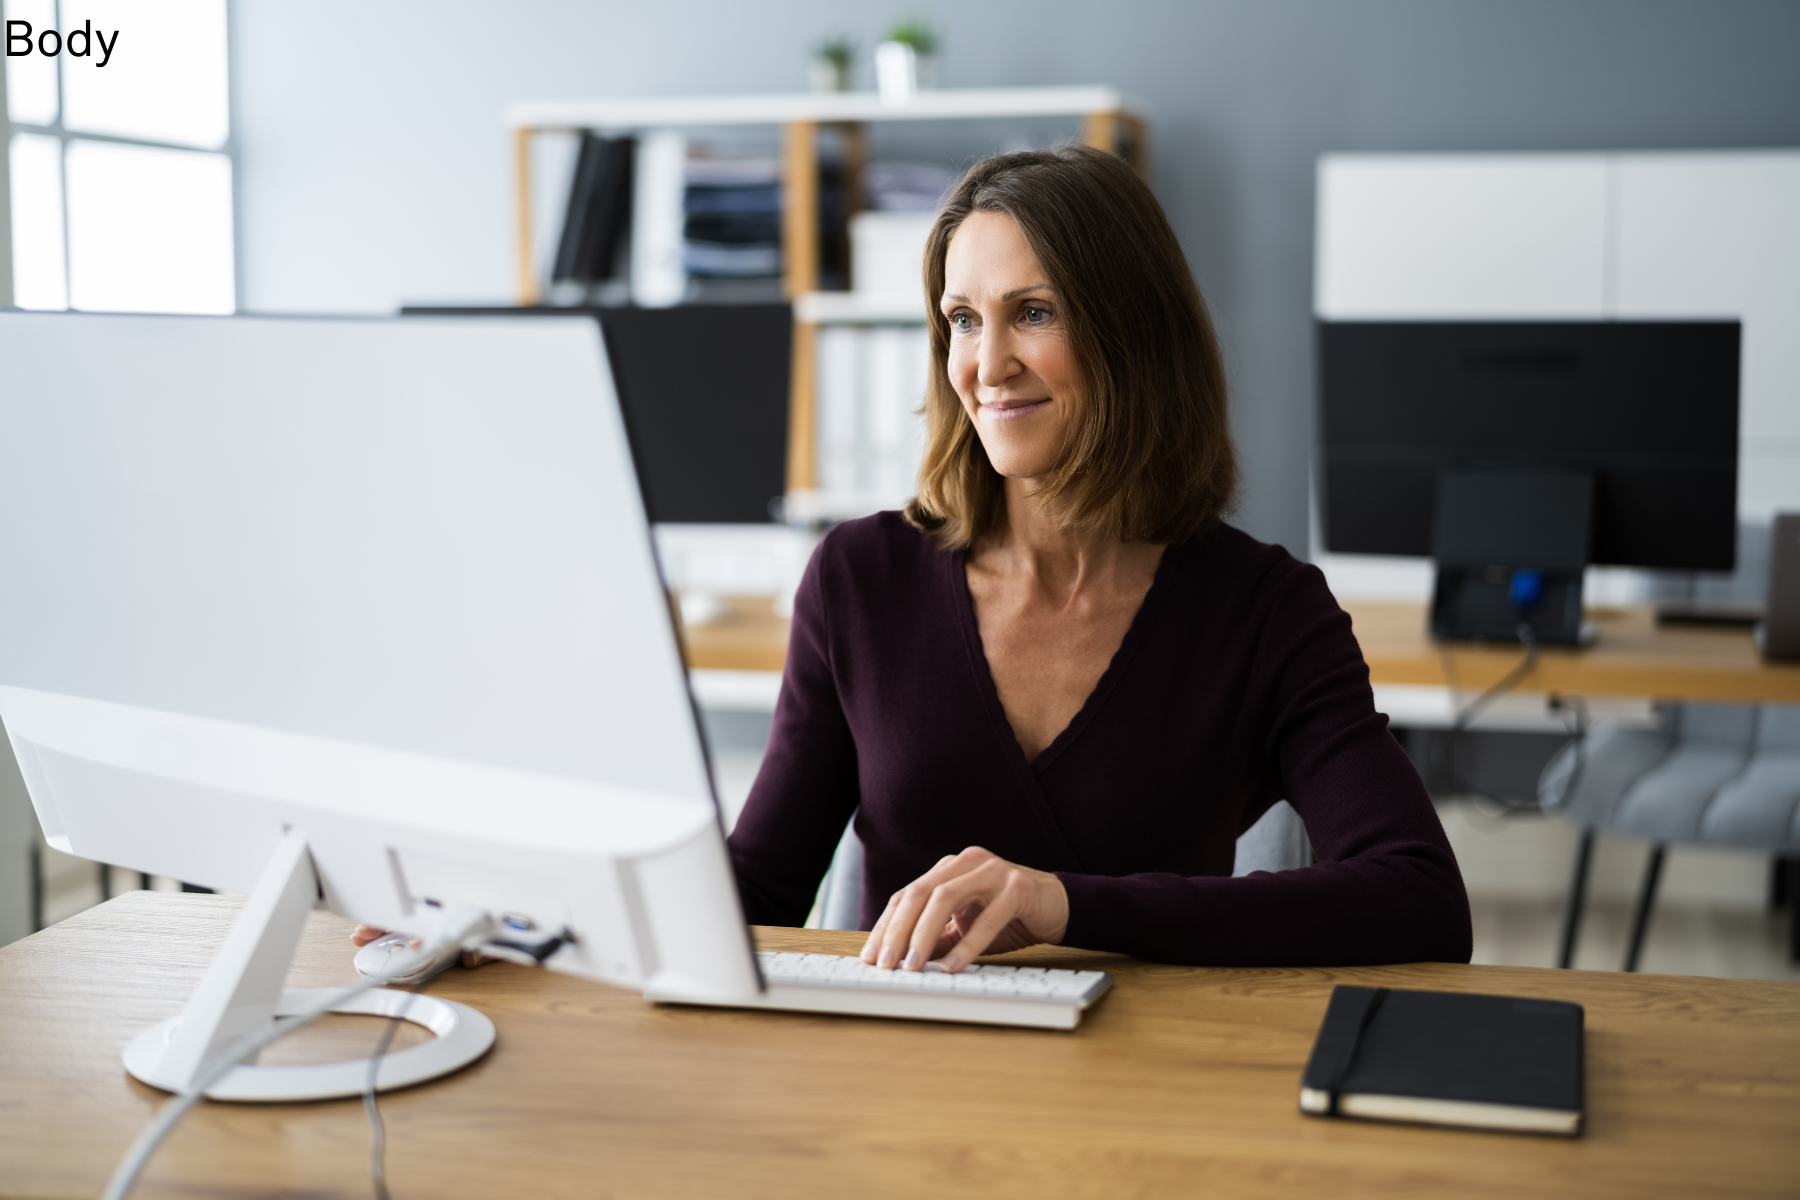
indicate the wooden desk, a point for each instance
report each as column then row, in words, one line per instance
column 749, row 637
column 1182, row 1082
column 1633, row 656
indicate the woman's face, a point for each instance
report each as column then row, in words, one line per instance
column 1010, row 358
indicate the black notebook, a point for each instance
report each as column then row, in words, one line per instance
column 1448, row 1058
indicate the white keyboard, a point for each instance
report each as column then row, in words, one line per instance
column 1040, row 997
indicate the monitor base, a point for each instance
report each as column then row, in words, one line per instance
column 463, row 1035
column 241, row 993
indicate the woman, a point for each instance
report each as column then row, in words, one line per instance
column 1057, row 688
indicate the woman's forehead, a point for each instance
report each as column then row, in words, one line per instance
column 989, row 256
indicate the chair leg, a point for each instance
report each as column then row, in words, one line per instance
column 1640, row 919
column 1576, row 899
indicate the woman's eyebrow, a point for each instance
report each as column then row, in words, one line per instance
column 1036, row 287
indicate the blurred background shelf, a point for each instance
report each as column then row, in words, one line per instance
column 822, row 267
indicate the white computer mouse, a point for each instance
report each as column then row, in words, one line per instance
column 393, row 952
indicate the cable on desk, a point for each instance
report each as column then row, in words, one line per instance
column 138, row 1156
column 1464, row 718
column 499, row 947
column 372, row 1106
column 1578, row 739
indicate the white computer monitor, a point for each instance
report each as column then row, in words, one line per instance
column 385, row 587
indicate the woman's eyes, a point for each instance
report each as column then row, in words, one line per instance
column 1030, row 315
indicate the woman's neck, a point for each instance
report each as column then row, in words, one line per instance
column 1059, row 562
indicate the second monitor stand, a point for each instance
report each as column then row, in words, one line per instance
column 1511, row 548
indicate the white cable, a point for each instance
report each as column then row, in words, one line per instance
column 126, row 1174
column 372, row 1105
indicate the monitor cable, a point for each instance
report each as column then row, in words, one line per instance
column 1464, row 717
column 372, row 1106
column 1578, row 732
column 138, row 1156
column 501, row 948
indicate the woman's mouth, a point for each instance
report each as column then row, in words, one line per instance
column 1009, row 410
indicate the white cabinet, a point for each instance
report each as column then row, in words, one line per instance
column 1454, row 236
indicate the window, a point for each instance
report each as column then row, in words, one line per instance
column 121, row 174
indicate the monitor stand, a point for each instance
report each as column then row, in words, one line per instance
column 1511, row 547
column 242, row 992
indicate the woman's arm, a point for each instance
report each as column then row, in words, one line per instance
column 807, row 790
column 1385, row 886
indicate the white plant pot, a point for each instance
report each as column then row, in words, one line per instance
column 900, row 72
column 828, row 77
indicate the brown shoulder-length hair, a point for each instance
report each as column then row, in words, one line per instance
column 1152, row 460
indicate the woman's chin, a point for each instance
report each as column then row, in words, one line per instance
column 1022, row 467
column 1021, row 458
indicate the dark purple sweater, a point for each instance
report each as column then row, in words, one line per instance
column 1238, row 683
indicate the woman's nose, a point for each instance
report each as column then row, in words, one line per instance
column 996, row 362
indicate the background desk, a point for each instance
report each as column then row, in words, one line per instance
column 1633, row 656
column 1183, row 1082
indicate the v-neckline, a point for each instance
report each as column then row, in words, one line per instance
column 1034, row 768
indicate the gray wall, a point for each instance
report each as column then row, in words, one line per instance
column 374, row 168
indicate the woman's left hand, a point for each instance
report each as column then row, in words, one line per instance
column 968, row 905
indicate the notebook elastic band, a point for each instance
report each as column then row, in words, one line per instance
column 1349, row 1060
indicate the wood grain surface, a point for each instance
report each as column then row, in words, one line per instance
column 747, row 637
column 1633, row 656
column 1182, row 1082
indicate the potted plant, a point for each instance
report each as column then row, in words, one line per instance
column 906, row 61
column 831, row 64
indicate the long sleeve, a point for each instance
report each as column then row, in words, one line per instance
column 1385, row 887
column 807, row 788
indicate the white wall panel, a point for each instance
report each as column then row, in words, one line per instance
column 1452, row 236
column 1718, row 234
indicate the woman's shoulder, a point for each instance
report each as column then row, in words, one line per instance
column 881, row 552
column 877, row 538
column 1259, row 571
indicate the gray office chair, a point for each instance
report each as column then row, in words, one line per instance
column 1277, row 842
column 1709, row 775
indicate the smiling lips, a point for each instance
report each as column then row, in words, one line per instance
column 1008, row 410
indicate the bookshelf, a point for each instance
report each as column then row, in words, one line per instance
column 1108, row 123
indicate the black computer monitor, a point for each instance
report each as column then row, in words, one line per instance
column 704, row 390
column 1628, row 426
